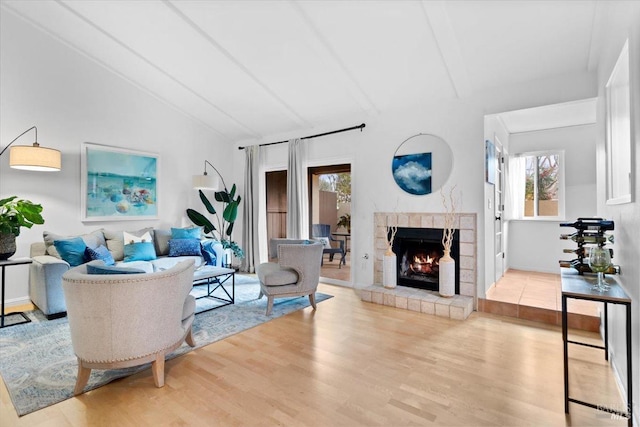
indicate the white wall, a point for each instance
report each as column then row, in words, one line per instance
column 535, row 245
column 623, row 23
column 459, row 122
column 73, row 100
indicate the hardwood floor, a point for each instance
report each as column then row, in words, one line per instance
column 356, row 363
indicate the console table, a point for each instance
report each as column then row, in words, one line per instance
column 3, row 265
column 579, row 286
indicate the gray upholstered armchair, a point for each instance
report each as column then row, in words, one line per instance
column 296, row 273
column 123, row 320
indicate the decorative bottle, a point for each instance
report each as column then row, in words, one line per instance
column 389, row 269
column 447, row 275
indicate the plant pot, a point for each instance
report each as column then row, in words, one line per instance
column 7, row 246
column 447, row 275
column 389, row 273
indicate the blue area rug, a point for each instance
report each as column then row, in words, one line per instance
column 39, row 368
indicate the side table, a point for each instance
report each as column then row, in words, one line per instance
column 3, row 265
column 580, row 287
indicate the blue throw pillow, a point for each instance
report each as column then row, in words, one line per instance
column 184, row 247
column 186, row 233
column 139, row 251
column 71, row 250
column 208, row 253
column 101, row 253
column 98, row 267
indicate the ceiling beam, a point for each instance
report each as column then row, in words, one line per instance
column 156, row 67
column 331, row 58
column 438, row 20
column 288, row 108
column 110, row 68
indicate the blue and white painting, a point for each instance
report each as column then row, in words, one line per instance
column 412, row 172
column 120, row 184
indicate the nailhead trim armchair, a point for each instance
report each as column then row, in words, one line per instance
column 123, row 320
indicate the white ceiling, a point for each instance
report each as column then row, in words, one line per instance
column 249, row 69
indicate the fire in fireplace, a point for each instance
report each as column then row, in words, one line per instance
column 418, row 252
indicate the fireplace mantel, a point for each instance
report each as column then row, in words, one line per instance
column 465, row 222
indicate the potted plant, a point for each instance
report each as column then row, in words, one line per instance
column 224, row 230
column 14, row 214
column 345, row 222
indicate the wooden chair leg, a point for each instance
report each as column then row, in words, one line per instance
column 157, row 367
column 83, row 378
column 189, row 338
column 312, row 300
column 269, row 304
column 261, row 294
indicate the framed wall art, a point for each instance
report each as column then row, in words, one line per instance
column 422, row 164
column 118, row 184
column 489, row 162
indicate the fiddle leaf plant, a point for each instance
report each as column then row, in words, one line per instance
column 225, row 222
column 16, row 213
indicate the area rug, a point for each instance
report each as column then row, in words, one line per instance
column 39, row 368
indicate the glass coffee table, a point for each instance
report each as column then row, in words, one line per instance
column 220, row 282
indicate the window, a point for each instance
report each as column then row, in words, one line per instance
column 538, row 182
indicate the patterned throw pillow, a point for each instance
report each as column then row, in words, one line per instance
column 139, row 251
column 71, row 250
column 325, row 242
column 184, row 247
column 208, row 252
column 186, row 233
column 132, row 238
column 101, row 253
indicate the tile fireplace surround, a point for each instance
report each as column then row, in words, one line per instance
column 467, row 224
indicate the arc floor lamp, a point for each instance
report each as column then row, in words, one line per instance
column 206, row 181
column 33, row 157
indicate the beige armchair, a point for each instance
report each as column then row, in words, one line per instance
column 124, row 320
column 296, row 273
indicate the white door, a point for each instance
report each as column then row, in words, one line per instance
column 498, row 211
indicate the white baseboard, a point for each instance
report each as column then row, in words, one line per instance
column 16, row 301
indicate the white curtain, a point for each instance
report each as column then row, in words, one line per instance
column 250, row 241
column 515, row 188
column 297, row 201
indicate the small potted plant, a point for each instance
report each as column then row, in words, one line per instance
column 14, row 214
column 345, row 222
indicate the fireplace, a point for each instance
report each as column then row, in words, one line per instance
column 418, row 252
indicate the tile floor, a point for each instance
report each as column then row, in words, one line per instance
column 537, row 296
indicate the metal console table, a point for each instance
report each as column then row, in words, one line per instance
column 580, row 287
column 3, row 265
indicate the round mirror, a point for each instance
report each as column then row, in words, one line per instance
column 422, row 164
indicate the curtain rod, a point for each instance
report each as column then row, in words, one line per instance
column 313, row 136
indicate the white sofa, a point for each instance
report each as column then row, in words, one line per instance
column 47, row 268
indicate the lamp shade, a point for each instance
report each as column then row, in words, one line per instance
column 205, row 182
column 35, row 158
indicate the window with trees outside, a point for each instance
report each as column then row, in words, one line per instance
column 544, row 186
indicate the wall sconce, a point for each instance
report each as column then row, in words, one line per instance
column 33, row 157
column 206, row 181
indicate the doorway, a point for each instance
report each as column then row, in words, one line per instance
column 276, row 195
column 330, row 203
